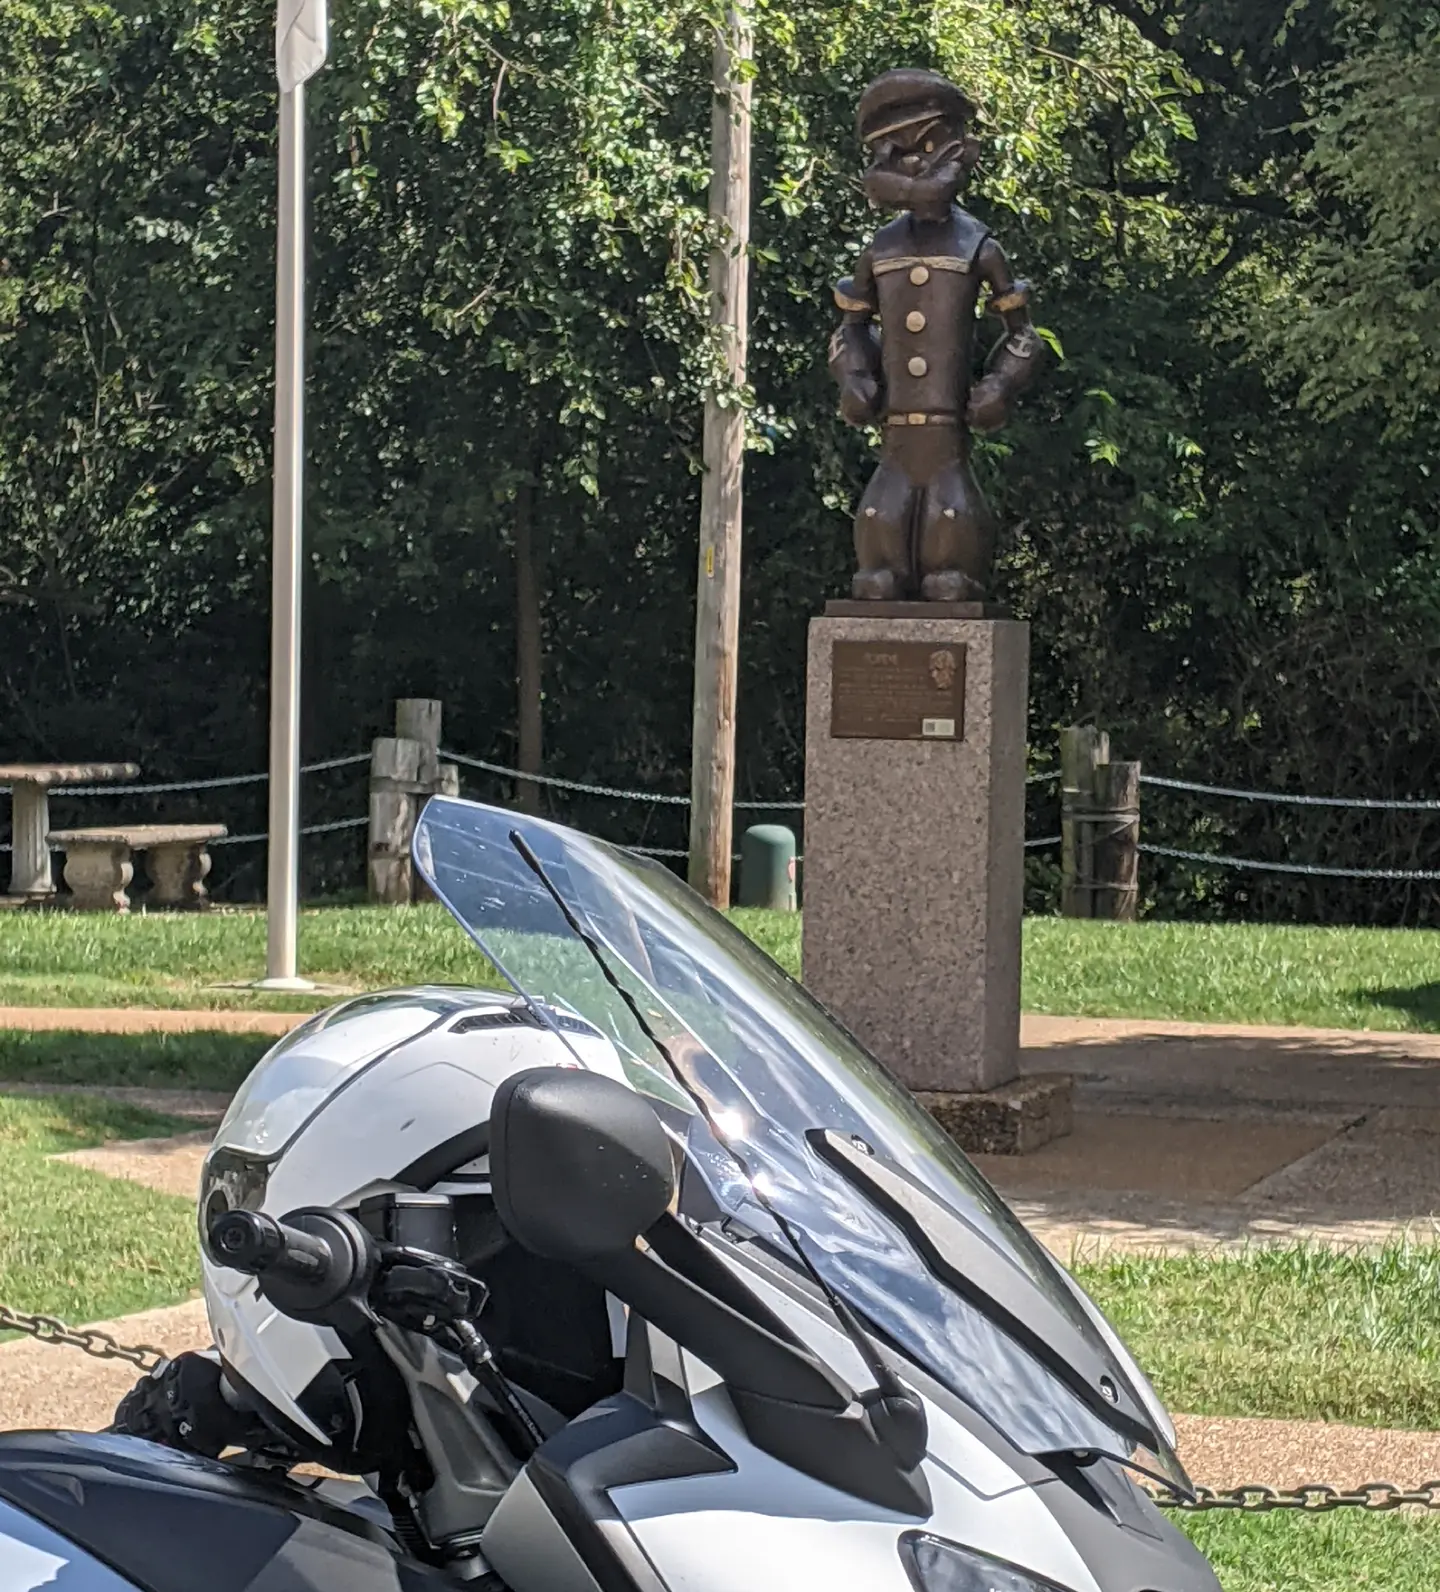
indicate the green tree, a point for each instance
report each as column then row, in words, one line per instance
column 1364, row 330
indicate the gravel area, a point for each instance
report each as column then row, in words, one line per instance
column 1233, row 1453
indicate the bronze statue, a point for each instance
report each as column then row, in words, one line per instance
column 923, row 529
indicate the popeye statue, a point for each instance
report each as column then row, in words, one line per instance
column 924, row 529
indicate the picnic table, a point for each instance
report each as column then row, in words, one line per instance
column 30, row 786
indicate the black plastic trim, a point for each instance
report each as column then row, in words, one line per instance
column 790, row 1403
column 619, row 1443
column 504, row 1017
column 1145, row 1552
column 655, row 1374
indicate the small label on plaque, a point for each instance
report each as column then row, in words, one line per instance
column 897, row 691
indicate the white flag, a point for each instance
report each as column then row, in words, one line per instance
column 302, row 40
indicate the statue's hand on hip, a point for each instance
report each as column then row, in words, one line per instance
column 989, row 406
column 860, row 400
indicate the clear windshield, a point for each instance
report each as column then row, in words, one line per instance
column 771, row 1066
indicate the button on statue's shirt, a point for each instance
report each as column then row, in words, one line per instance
column 923, row 277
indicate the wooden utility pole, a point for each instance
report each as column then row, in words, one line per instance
column 717, row 607
column 529, row 657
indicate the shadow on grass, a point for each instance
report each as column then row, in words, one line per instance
column 52, row 1124
column 155, row 1061
column 1419, row 1002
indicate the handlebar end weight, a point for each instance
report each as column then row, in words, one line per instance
column 247, row 1241
column 311, row 1265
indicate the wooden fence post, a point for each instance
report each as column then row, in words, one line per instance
column 405, row 771
column 1083, row 749
column 1099, row 828
column 1116, row 843
column 419, row 719
column 394, row 780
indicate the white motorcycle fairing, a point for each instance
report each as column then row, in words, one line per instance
column 807, row 1171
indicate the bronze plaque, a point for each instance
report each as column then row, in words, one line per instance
column 897, row 691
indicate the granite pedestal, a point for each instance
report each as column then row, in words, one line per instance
column 914, row 862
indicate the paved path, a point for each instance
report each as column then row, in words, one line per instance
column 1222, row 1452
column 1192, row 1136
column 144, row 1020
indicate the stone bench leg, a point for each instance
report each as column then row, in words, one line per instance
column 177, row 874
column 30, row 874
column 98, row 876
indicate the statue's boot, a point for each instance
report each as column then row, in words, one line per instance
column 951, row 586
column 876, row 586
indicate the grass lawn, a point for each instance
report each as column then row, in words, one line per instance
column 147, row 1061
column 187, row 960
column 1293, row 1333
column 1209, row 972
column 1327, row 1553
column 1340, row 978
column 74, row 1243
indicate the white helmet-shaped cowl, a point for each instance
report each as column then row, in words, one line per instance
column 385, row 1091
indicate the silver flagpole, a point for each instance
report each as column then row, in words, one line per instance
column 282, row 894
column 301, row 45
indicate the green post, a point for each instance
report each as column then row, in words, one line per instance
column 767, row 868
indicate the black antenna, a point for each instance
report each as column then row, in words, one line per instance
column 893, row 1406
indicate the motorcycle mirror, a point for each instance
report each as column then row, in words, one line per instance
column 580, row 1166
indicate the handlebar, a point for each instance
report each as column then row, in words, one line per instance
column 332, row 1271
column 258, row 1245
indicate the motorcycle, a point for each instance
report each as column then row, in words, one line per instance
column 626, row 1270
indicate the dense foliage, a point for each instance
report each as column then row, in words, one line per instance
column 1221, row 511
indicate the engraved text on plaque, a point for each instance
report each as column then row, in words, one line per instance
column 897, row 691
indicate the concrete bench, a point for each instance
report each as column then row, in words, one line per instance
column 99, row 863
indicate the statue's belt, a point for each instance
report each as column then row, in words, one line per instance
column 925, row 262
column 911, row 419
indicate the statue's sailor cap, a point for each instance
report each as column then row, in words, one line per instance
column 908, row 98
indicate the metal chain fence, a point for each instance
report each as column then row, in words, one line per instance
column 1313, row 1498
column 89, row 1340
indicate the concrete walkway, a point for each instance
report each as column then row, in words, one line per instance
column 53, row 1385
column 1190, row 1136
